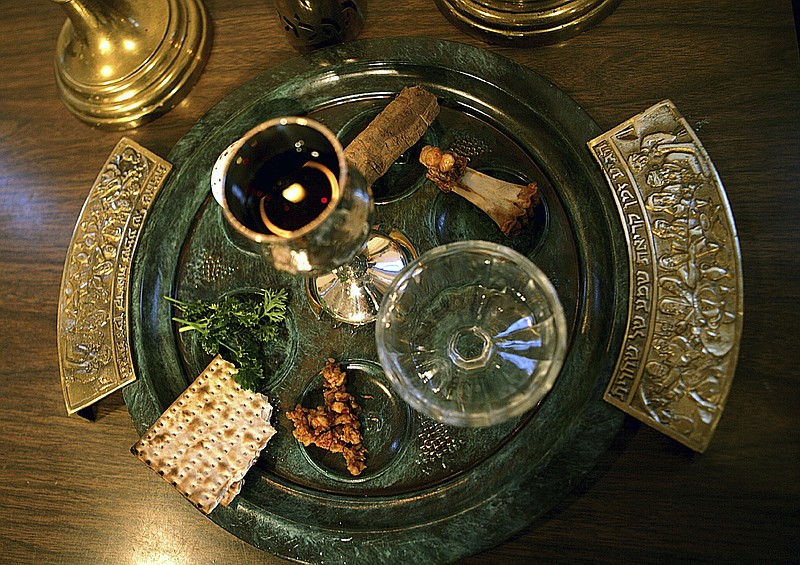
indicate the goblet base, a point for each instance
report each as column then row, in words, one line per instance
column 352, row 293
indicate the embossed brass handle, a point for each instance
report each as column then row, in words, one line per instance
column 93, row 348
column 679, row 355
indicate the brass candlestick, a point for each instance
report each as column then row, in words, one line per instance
column 120, row 64
column 519, row 23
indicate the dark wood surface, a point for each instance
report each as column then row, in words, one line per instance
column 70, row 492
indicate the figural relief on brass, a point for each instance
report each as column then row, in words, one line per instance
column 93, row 347
column 681, row 346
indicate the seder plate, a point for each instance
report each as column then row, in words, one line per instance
column 431, row 493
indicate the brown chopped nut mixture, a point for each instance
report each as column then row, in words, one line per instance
column 335, row 425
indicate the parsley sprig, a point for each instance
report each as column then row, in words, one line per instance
column 237, row 328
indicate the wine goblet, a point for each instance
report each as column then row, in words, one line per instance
column 471, row 333
column 287, row 187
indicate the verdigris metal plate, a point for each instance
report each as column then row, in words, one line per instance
column 431, row 493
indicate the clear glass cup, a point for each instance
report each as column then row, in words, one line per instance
column 471, row 334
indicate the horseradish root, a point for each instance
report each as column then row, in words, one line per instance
column 399, row 126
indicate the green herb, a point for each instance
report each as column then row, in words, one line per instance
column 237, row 328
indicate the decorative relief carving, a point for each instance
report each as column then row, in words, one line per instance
column 94, row 352
column 685, row 305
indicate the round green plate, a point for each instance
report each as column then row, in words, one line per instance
column 431, row 493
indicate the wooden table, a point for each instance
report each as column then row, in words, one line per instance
column 70, row 492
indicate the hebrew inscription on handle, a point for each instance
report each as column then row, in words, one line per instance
column 680, row 350
column 93, row 347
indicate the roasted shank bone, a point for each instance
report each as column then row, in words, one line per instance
column 509, row 205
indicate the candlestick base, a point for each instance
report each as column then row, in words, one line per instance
column 527, row 22
column 120, row 70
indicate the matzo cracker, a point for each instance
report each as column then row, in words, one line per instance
column 208, row 439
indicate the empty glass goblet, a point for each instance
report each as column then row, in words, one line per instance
column 471, row 333
column 286, row 187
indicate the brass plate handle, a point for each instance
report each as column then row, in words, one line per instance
column 685, row 311
column 93, row 348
